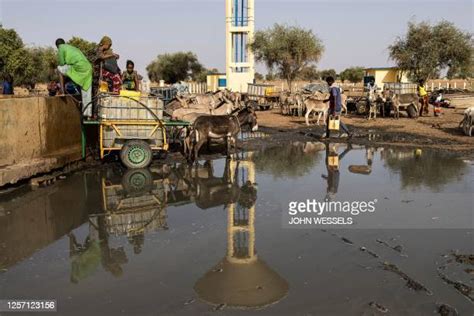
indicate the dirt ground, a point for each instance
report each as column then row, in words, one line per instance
column 435, row 132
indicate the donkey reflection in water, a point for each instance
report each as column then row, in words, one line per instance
column 227, row 127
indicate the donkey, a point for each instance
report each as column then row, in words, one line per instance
column 207, row 127
column 190, row 114
column 377, row 101
column 316, row 103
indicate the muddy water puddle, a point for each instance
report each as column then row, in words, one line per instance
column 216, row 237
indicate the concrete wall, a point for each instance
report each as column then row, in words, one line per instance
column 34, row 129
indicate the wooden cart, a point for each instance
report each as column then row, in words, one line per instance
column 262, row 96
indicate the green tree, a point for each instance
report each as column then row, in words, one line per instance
column 44, row 63
column 287, row 49
column 309, row 73
column 270, row 76
column 426, row 50
column 10, row 41
column 202, row 76
column 175, row 67
column 352, row 74
column 323, row 74
column 259, row 76
column 27, row 65
column 21, row 67
column 87, row 48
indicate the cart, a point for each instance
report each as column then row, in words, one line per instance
column 262, row 96
column 167, row 94
column 401, row 88
column 133, row 126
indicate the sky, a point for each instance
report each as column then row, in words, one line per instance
column 354, row 33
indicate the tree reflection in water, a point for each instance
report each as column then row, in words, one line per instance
column 431, row 168
column 291, row 161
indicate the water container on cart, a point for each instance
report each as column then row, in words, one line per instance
column 132, row 124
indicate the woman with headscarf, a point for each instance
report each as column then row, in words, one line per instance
column 107, row 63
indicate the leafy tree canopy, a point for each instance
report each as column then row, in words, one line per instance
column 9, row 42
column 287, row 49
column 323, row 74
column 86, row 47
column 175, row 67
column 31, row 65
column 427, row 49
column 309, row 73
column 352, row 74
column 259, row 76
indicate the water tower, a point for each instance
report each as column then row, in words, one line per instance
column 240, row 25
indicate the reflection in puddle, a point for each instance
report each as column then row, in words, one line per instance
column 244, row 135
column 134, row 204
column 429, row 168
column 164, row 232
column 242, row 279
column 290, row 161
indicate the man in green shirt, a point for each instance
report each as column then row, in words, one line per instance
column 74, row 64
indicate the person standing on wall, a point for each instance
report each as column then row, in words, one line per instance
column 73, row 64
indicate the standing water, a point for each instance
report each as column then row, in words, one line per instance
column 251, row 235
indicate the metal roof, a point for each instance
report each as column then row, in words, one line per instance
column 381, row 68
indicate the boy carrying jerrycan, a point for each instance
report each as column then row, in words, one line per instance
column 333, row 121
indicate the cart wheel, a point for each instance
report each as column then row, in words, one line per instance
column 361, row 107
column 137, row 181
column 411, row 110
column 136, row 154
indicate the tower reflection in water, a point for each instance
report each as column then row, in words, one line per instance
column 241, row 279
column 135, row 203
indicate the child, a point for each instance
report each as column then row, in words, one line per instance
column 53, row 88
column 437, row 105
column 130, row 77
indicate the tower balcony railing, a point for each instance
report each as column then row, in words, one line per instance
column 240, row 21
